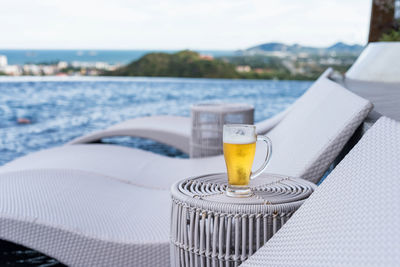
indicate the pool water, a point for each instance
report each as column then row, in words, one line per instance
column 62, row 109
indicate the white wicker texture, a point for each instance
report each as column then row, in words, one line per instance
column 208, row 121
column 209, row 228
column 352, row 219
column 83, row 219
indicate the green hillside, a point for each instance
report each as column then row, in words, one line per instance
column 191, row 64
column 181, row 64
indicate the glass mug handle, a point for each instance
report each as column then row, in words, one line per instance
column 267, row 156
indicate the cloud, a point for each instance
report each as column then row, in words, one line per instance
column 177, row 24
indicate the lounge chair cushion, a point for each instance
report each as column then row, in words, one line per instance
column 85, row 219
column 135, row 166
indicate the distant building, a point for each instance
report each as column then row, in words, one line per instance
column 101, row 65
column 62, row 65
column 31, row 69
column 3, row 61
column 206, row 57
column 280, row 54
column 330, row 61
column 14, row 70
column 48, row 70
column 243, row 68
column 303, row 55
column 259, row 70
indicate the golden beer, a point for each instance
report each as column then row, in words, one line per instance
column 239, row 160
column 239, row 142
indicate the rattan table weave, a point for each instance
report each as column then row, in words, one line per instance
column 209, row 228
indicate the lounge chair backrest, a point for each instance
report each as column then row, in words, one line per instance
column 319, row 124
column 267, row 124
column 353, row 218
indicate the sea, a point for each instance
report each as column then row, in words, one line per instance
column 30, row 56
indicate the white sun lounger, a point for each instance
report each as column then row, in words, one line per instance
column 379, row 62
column 375, row 76
column 89, row 205
column 171, row 130
column 85, row 219
column 353, row 218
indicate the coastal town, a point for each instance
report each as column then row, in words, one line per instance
column 266, row 61
column 60, row 68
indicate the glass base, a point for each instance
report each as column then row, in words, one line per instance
column 238, row 191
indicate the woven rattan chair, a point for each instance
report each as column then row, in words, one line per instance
column 102, row 225
column 353, row 218
column 375, row 76
column 171, row 130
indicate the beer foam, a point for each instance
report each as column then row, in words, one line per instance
column 238, row 139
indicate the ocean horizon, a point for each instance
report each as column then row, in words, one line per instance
column 36, row 56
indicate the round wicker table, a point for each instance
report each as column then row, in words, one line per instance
column 207, row 122
column 208, row 228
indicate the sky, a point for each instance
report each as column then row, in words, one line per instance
column 180, row 24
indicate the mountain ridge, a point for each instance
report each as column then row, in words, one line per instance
column 339, row 47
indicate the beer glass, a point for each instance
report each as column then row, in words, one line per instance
column 239, row 151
